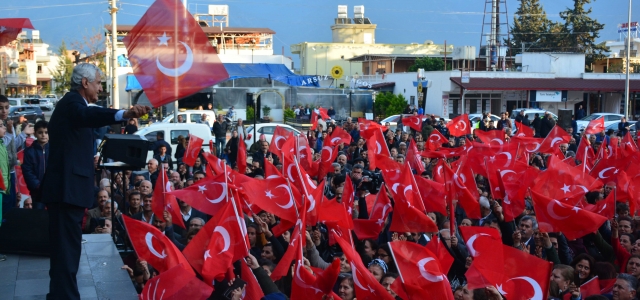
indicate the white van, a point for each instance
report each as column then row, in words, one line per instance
column 192, row 116
column 171, row 133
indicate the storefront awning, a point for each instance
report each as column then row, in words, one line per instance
column 278, row 72
column 555, row 84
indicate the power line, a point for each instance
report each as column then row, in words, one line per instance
column 51, row 6
column 63, row 17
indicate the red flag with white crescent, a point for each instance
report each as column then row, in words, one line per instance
column 193, row 150
column 171, row 55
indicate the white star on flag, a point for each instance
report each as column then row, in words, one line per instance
column 201, row 188
column 269, row 194
column 2, row 28
column 565, row 188
column 163, row 39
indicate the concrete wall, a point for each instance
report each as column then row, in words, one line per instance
column 562, row 65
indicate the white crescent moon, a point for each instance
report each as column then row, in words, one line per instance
column 194, row 152
column 434, row 135
column 312, row 205
column 426, row 274
column 394, row 187
column 384, row 209
column 601, row 174
column 534, row 149
column 507, row 171
column 333, row 140
column 225, row 236
column 356, row 281
column 289, row 173
column 555, row 140
column 330, row 152
column 461, row 176
column 439, row 170
column 301, row 282
column 463, row 123
column 183, row 69
column 290, row 204
column 222, row 196
column 610, row 152
column 407, row 188
column 584, row 188
column 310, row 182
column 497, row 140
column 148, row 238
column 379, row 150
column 552, row 213
column 278, row 138
column 471, row 240
column 207, row 255
column 417, row 121
column 509, row 157
column 537, row 290
column 272, row 176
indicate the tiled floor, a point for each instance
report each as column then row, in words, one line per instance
column 99, row 276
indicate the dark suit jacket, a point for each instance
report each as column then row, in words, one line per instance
column 69, row 174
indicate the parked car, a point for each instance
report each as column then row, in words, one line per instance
column 23, row 101
column 632, row 128
column 33, row 114
column 475, row 120
column 530, row 113
column 395, row 119
column 53, row 97
column 609, row 118
column 267, row 129
column 46, row 104
column 172, row 131
column 192, row 116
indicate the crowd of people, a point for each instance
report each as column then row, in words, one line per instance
column 348, row 173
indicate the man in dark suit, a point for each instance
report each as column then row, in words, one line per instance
column 68, row 183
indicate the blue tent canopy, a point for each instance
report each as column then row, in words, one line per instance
column 278, row 72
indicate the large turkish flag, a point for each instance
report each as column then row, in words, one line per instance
column 171, row 55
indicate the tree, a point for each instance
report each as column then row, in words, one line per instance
column 92, row 44
column 582, row 31
column 530, row 26
column 428, row 64
column 62, row 73
column 388, row 104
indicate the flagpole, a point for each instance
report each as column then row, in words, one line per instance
column 394, row 259
column 615, row 199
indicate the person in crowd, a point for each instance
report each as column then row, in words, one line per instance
column 155, row 146
column 623, row 127
column 220, row 128
column 68, row 184
column 135, row 203
column 131, row 127
column 625, row 288
column 164, row 158
column 35, row 160
column 180, row 148
column 583, row 268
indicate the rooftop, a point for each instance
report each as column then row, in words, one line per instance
column 209, row 30
column 556, row 84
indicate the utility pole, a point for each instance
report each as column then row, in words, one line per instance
column 626, row 86
column 115, row 97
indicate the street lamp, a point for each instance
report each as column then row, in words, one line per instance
column 626, row 85
column 315, row 54
column 255, row 130
column 373, row 96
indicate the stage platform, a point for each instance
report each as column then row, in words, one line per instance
column 99, row 276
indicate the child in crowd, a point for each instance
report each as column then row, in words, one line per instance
column 35, row 160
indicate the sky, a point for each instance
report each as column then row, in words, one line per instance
column 459, row 22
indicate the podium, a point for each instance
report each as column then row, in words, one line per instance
column 124, row 152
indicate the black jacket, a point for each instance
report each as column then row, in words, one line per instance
column 69, row 175
column 33, row 167
column 220, row 129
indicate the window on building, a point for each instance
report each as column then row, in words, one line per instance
column 381, row 67
column 39, row 69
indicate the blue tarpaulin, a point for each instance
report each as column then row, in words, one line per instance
column 278, row 72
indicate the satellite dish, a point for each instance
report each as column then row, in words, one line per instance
column 336, row 72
